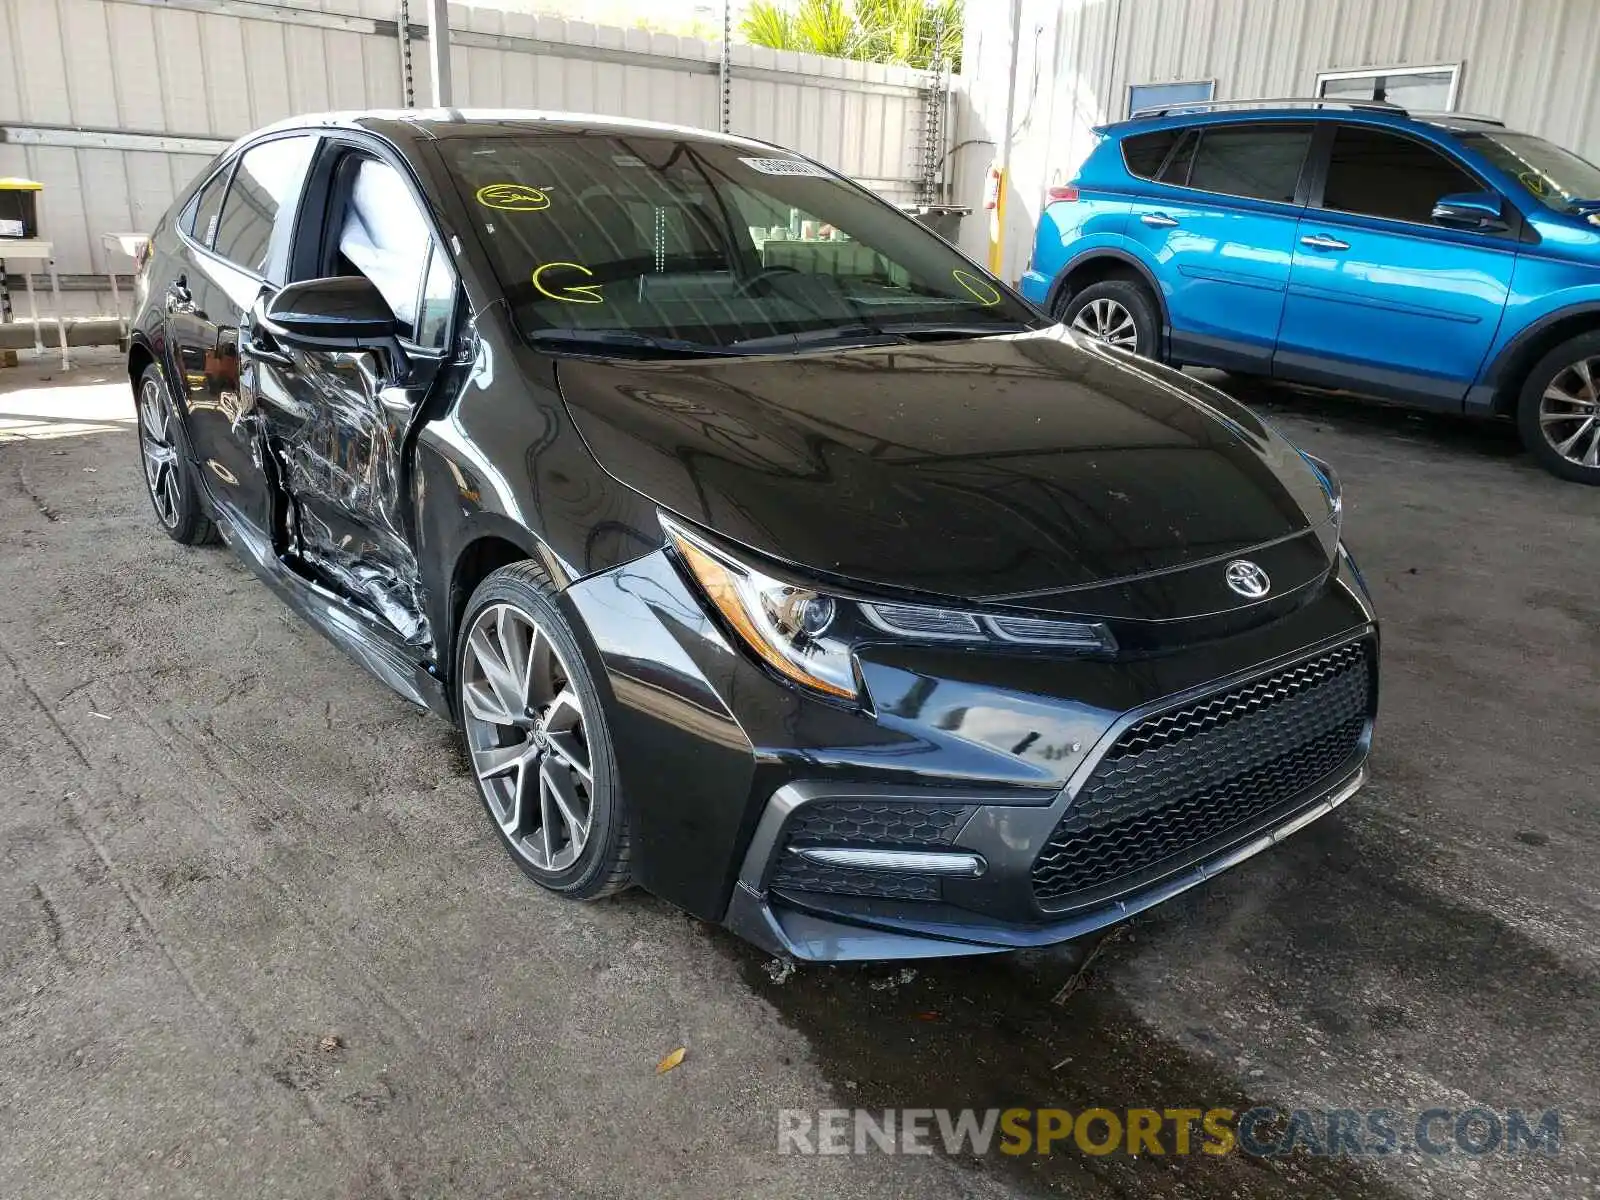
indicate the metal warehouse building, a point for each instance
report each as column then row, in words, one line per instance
column 1080, row 63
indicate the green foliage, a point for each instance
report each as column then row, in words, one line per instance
column 769, row 24
column 828, row 27
column 886, row 31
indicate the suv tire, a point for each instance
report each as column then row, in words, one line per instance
column 1118, row 312
column 1558, row 412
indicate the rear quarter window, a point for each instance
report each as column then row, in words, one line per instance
column 200, row 222
column 1144, row 153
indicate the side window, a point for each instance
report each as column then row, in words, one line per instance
column 1378, row 174
column 1259, row 161
column 254, row 229
column 384, row 236
column 1145, row 152
column 202, row 222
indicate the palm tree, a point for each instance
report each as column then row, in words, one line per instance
column 886, row 31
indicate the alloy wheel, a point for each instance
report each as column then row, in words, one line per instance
column 160, row 451
column 1107, row 321
column 1569, row 413
column 525, row 730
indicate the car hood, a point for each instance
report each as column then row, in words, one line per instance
column 1031, row 470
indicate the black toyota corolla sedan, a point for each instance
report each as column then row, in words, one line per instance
column 768, row 553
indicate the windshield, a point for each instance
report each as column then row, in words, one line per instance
column 613, row 240
column 1557, row 178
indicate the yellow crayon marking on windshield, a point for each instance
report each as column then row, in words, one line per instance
column 575, row 293
column 513, row 197
column 984, row 293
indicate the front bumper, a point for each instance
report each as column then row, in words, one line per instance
column 722, row 765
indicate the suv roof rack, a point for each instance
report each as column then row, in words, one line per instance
column 1285, row 102
column 1480, row 118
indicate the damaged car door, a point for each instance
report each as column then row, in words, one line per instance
column 340, row 364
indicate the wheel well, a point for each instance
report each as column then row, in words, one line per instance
column 477, row 562
column 1098, row 270
column 1512, row 372
column 139, row 359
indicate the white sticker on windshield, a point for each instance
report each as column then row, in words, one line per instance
column 783, row 166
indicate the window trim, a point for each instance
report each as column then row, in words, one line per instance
column 1302, row 187
column 1211, row 91
column 1324, row 154
column 1375, row 72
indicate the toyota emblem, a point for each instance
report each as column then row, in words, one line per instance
column 1249, row 580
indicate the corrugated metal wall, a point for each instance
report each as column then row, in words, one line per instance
column 201, row 72
column 1533, row 63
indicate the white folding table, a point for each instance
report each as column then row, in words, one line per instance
column 132, row 245
column 36, row 251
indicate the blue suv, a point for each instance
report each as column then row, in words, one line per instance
column 1439, row 261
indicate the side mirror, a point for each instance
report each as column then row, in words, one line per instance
column 338, row 313
column 342, row 312
column 1483, row 212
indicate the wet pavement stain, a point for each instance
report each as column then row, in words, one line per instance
column 986, row 1032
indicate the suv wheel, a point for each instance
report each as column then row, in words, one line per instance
column 1116, row 312
column 1558, row 413
column 538, row 739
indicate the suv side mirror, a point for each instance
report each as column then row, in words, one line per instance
column 1480, row 211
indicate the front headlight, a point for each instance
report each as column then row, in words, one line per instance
column 785, row 624
column 809, row 636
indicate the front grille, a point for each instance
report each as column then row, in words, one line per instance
column 868, row 824
column 1178, row 779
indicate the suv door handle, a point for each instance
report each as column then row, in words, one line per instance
column 1158, row 220
column 1322, row 241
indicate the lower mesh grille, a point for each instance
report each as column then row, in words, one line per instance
column 1181, row 778
column 867, row 824
column 796, row 874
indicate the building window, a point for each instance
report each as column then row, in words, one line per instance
column 1172, row 96
column 1421, row 89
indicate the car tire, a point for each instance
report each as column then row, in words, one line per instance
column 546, row 774
column 1118, row 312
column 168, row 474
column 1558, row 412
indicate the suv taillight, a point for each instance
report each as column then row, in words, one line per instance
column 1066, row 194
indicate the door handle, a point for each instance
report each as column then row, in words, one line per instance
column 1322, row 241
column 1158, row 221
column 256, row 343
column 250, row 347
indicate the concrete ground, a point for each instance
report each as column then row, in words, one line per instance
column 258, row 940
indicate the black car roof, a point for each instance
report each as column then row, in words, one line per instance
column 408, row 125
